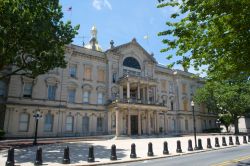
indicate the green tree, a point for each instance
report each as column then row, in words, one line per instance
column 226, row 120
column 32, row 36
column 227, row 96
column 215, row 33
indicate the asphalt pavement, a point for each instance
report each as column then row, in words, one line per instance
column 239, row 156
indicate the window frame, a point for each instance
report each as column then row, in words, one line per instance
column 99, row 124
column 54, row 95
column 100, row 99
column 87, row 75
column 69, row 96
column 52, row 122
column 67, row 123
column 25, row 90
column 73, row 73
column 86, row 97
column 22, row 122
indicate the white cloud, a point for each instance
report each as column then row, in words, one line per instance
column 100, row 4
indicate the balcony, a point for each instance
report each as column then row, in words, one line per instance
column 138, row 104
column 137, row 78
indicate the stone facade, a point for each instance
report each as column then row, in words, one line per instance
column 121, row 91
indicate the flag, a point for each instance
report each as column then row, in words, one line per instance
column 69, row 9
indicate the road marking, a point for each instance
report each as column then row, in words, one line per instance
column 232, row 161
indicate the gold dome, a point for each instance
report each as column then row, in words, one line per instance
column 93, row 43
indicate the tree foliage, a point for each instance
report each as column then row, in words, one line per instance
column 226, row 120
column 230, row 96
column 33, row 36
column 215, row 33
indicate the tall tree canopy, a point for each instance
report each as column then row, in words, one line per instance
column 33, row 36
column 215, row 33
column 230, row 96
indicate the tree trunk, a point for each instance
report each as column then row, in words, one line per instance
column 227, row 129
column 236, row 126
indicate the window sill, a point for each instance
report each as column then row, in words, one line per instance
column 73, row 77
column 85, row 79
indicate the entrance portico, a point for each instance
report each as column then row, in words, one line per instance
column 136, row 119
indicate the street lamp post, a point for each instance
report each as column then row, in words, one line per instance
column 37, row 116
column 196, row 148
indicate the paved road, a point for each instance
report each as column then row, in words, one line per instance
column 239, row 156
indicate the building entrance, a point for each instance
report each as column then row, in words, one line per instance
column 134, row 124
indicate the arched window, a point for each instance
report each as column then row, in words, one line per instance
column 24, row 122
column 131, row 62
column 69, row 123
column 48, row 122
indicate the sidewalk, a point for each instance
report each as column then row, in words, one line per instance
column 53, row 153
column 28, row 142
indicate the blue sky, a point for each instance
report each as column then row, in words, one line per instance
column 120, row 20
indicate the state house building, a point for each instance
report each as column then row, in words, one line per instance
column 120, row 91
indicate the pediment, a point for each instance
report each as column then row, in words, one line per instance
column 133, row 48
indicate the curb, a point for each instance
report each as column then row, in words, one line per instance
column 158, row 157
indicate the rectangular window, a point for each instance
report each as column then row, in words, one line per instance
column 184, row 88
column 48, row 125
column 101, row 75
column 24, row 122
column 185, row 105
column 172, row 105
column 100, row 98
column 71, row 95
column 51, row 92
column 72, row 71
column 87, row 72
column 99, row 124
column 171, row 87
column 114, row 77
column 69, row 123
column 86, row 97
column 210, row 123
column 191, row 89
column 163, row 85
column 27, row 90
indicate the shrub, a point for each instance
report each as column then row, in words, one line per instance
column 2, row 133
column 212, row 130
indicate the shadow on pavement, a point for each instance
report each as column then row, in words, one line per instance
column 243, row 163
column 54, row 153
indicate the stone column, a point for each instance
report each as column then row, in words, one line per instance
column 147, row 91
column 155, row 94
column 148, row 123
column 121, row 92
column 117, row 126
column 138, row 92
column 129, row 123
column 156, row 122
column 139, row 122
column 128, row 90
column 143, row 94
